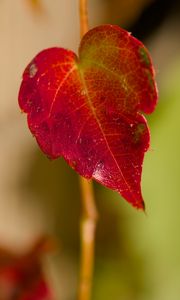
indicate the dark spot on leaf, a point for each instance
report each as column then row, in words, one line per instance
column 144, row 56
column 150, row 79
column 139, row 130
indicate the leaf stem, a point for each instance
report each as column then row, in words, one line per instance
column 88, row 228
column 89, row 211
column 83, row 13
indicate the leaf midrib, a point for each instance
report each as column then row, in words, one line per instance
column 101, row 129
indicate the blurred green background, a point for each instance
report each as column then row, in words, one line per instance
column 137, row 255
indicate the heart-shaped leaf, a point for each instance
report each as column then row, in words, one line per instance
column 87, row 109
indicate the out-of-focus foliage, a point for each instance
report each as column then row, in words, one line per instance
column 124, row 11
column 22, row 276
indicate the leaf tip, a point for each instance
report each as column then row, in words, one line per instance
column 140, row 205
column 143, row 206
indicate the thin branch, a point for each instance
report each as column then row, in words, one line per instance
column 89, row 211
column 88, row 228
column 83, row 13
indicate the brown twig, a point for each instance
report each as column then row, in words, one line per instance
column 88, row 227
column 83, row 13
column 89, row 211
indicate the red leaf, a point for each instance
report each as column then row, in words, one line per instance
column 86, row 109
column 22, row 277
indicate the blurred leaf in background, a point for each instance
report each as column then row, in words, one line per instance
column 124, row 12
column 22, row 276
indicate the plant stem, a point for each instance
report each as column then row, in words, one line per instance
column 83, row 13
column 88, row 227
column 89, row 211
